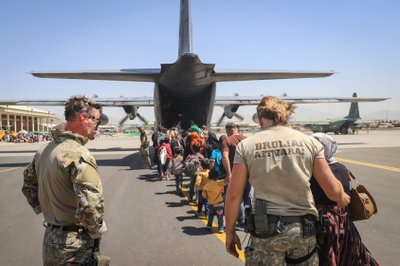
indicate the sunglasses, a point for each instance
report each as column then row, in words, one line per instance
column 102, row 120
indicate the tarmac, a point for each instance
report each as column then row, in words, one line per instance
column 150, row 225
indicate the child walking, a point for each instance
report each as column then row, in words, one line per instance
column 201, row 180
column 177, row 169
column 212, row 191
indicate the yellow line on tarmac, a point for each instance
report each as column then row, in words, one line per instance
column 220, row 236
column 9, row 169
column 379, row 166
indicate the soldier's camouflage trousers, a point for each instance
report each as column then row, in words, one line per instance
column 271, row 251
column 66, row 248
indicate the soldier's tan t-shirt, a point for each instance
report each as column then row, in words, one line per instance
column 280, row 162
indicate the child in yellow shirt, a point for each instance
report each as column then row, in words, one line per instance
column 201, row 180
column 213, row 191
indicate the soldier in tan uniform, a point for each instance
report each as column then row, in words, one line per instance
column 279, row 162
column 63, row 182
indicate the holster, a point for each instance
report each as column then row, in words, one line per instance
column 261, row 218
column 249, row 220
column 320, row 227
column 257, row 223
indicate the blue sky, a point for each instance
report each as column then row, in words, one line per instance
column 358, row 39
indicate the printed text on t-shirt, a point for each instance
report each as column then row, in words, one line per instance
column 278, row 148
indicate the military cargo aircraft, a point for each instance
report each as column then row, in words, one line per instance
column 340, row 126
column 184, row 91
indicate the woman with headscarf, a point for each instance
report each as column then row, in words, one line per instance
column 342, row 244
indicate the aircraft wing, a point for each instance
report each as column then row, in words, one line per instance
column 219, row 100
column 152, row 75
column 254, row 100
column 117, row 102
column 237, row 75
column 140, row 74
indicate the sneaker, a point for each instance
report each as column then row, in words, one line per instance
column 239, row 228
column 221, row 230
column 208, row 227
column 193, row 202
column 239, row 224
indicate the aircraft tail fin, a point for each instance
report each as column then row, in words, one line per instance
column 185, row 28
column 354, row 113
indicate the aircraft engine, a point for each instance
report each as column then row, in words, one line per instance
column 230, row 112
column 103, row 119
column 132, row 113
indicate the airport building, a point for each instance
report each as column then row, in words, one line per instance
column 18, row 118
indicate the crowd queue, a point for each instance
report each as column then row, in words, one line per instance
column 287, row 181
column 278, row 185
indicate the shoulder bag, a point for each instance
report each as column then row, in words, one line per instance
column 362, row 204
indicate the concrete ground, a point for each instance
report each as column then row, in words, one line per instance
column 150, row 225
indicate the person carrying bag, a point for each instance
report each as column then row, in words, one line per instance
column 362, row 204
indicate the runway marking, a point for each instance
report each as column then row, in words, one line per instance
column 9, row 169
column 379, row 166
column 220, row 236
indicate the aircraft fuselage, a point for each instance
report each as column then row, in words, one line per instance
column 185, row 92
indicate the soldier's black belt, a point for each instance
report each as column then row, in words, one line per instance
column 287, row 219
column 68, row 227
column 275, row 225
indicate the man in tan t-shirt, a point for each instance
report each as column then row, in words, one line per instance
column 278, row 162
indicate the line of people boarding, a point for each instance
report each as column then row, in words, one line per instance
column 208, row 161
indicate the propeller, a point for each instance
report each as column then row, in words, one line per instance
column 123, row 120
column 142, row 118
column 131, row 113
column 230, row 112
